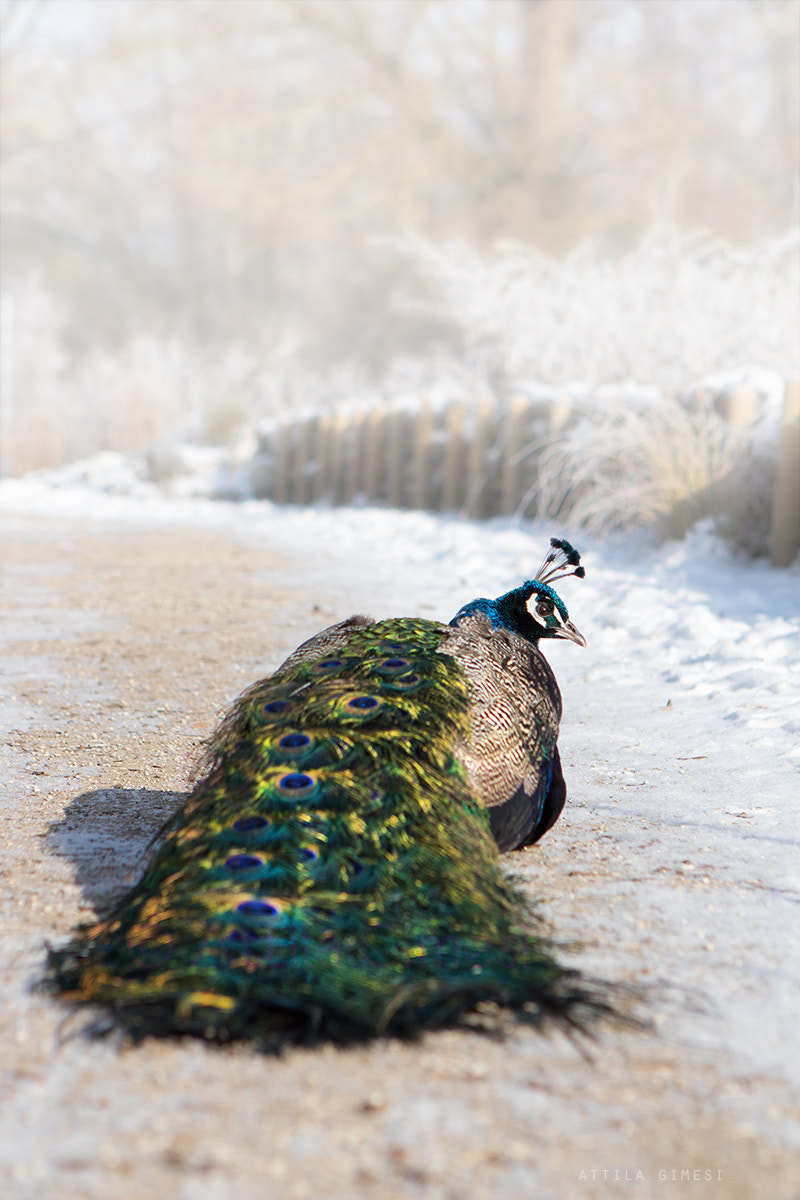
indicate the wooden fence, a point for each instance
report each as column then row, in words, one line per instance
column 477, row 460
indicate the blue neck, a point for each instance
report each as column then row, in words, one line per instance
column 506, row 612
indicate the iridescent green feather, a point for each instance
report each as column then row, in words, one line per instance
column 332, row 874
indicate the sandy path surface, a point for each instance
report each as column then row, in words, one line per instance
column 121, row 645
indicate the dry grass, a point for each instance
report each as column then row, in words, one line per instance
column 663, row 466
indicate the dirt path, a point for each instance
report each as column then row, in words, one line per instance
column 121, row 644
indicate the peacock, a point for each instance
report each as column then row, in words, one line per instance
column 335, row 871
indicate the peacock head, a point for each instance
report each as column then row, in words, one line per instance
column 535, row 610
column 545, row 608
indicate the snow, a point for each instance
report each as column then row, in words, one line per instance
column 680, row 735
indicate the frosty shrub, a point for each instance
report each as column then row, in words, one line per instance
column 666, row 465
column 32, row 431
column 147, row 394
column 675, row 308
column 155, row 391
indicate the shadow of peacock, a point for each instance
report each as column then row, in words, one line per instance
column 335, row 871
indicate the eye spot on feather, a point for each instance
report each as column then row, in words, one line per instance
column 297, row 785
column 327, row 666
column 275, row 708
column 406, row 683
column 257, row 908
column 393, row 666
column 250, row 824
column 292, row 741
column 306, row 854
column 243, row 862
column 363, row 703
column 293, row 744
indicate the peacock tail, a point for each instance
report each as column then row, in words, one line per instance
column 333, row 873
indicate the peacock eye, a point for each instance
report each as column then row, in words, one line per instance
column 544, row 608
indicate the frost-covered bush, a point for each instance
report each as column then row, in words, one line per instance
column 665, row 465
column 675, row 308
column 149, row 393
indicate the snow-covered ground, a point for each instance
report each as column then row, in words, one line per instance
column 680, row 740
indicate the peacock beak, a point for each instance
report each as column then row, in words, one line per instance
column 568, row 630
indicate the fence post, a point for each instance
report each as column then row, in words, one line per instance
column 422, row 440
column 326, row 475
column 281, row 463
column 353, row 447
column 311, row 487
column 394, row 458
column 475, row 504
column 512, row 444
column 739, row 406
column 321, row 423
column 372, row 453
column 785, row 527
column 453, row 485
column 298, row 483
column 559, row 413
column 335, row 457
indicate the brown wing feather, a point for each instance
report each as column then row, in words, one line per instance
column 515, row 715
